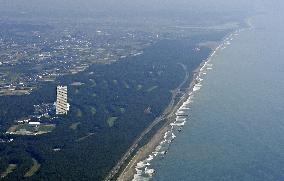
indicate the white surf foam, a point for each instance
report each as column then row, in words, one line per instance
column 144, row 172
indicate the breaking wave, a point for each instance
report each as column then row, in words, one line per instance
column 144, row 171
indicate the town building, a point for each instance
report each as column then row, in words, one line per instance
column 62, row 105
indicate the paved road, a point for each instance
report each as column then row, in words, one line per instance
column 169, row 112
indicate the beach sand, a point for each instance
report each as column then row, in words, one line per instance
column 143, row 153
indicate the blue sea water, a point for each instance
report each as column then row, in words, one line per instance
column 236, row 126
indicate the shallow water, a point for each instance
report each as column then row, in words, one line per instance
column 235, row 130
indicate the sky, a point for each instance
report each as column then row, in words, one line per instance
column 120, row 6
column 133, row 8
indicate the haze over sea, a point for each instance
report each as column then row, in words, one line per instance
column 235, row 130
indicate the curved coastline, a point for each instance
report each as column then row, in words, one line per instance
column 138, row 167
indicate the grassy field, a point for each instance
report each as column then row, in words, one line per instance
column 79, row 113
column 9, row 170
column 139, row 87
column 114, row 81
column 74, row 126
column 41, row 129
column 152, row 88
column 122, row 110
column 46, row 128
column 93, row 110
column 13, row 128
column 24, row 127
column 111, row 120
column 35, row 167
column 93, row 82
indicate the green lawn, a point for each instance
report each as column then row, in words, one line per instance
column 33, row 129
column 25, row 127
column 46, row 128
column 74, row 126
column 111, row 120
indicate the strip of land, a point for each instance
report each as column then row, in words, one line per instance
column 35, row 167
column 168, row 113
column 129, row 171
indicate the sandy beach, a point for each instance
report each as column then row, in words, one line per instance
column 129, row 172
column 145, row 152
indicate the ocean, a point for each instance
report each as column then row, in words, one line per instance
column 235, row 127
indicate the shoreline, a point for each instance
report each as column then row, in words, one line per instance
column 153, row 148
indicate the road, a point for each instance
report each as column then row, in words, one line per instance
column 169, row 112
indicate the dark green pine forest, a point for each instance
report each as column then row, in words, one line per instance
column 111, row 107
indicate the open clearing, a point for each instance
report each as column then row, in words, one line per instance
column 46, row 128
column 74, row 126
column 9, row 170
column 93, row 110
column 35, row 167
column 111, row 120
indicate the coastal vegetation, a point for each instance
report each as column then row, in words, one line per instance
column 107, row 117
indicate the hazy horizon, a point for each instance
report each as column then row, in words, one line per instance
column 124, row 7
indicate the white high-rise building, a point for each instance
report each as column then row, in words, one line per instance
column 62, row 106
